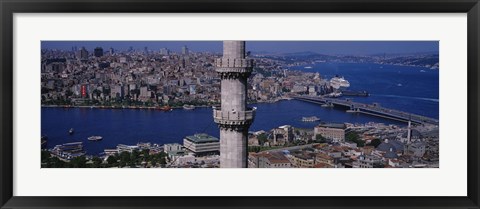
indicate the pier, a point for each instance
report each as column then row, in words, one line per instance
column 369, row 109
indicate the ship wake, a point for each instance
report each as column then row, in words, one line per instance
column 407, row 97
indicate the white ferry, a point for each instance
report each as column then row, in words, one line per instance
column 339, row 82
column 188, row 107
column 95, row 138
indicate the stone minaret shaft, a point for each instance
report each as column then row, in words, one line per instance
column 234, row 118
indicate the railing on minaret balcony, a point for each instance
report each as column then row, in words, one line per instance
column 232, row 117
column 233, row 65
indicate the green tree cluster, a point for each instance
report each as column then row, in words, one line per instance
column 262, row 138
column 124, row 159
column 375, row 142
column 320, row 139
column 354, row 137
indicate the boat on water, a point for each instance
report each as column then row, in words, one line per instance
column 71, row 131
column 355, row 93
column 399, row 84
column 164, row 108
column 310, row 119
column 338, row 82
column 327, row 105
column 95, row 138
column 188, row 107
column 308, row 67
column 334, row 94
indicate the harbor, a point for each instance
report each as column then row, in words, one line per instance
column 373, row 109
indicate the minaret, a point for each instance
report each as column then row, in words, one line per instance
column 409, row 132
column 234, row 118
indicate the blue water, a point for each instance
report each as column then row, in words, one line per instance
column 418, row 94
column 410, row 89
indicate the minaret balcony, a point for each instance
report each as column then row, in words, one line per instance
column 232, row 117
column 233, row 65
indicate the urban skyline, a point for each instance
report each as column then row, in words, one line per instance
column 321, row 47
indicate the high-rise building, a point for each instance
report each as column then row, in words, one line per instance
column 111, row 51
column 82, row 54
column 192, row 89
column 184, row 50
column 164, row 51
column 233, row 118
column 98, row 52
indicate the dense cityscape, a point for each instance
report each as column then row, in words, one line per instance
column 167, row 80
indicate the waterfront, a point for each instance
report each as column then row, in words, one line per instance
column 405, row 88
column 130, row 126
column 417, row 94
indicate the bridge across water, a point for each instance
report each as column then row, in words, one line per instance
column 369, row 109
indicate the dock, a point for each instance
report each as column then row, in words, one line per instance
column 369, row 109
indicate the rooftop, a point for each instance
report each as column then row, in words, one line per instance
column 322, row 165
column 202, row 138
column 173, row 144
column 332, row 125
column 273, row 157
column 304, row 156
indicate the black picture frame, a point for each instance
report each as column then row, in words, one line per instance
column 9, row 7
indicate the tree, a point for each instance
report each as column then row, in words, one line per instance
column 354, row 137
column 96, row 92
column 125, row 159
column 97, row 162
column 320, row 139
column 106, row 91
column 154, row 162
column 262, row 138
column 45, row 156
column 78, row 162
column 68, row 93
column 51, row 162
column 135, row 157
column 375, row 142
column 163, row 162
column 360, row 143
column 254, row 149
column 112, row 161
column 297, row 132
column 146, row 154
column 54, row 162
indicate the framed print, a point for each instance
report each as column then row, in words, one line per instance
column 200, row 104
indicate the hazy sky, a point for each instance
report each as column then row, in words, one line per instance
column 323, row 47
